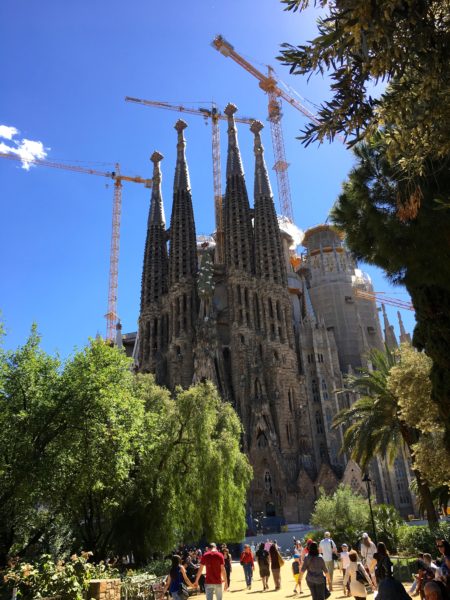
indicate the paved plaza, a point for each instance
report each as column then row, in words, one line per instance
column 238, row 589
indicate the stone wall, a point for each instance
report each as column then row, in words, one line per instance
column 104, row 589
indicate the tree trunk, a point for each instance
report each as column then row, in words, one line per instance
column 427, row 500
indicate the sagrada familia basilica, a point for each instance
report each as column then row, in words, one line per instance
column 276, row 335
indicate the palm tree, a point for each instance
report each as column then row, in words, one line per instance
column 373, row 426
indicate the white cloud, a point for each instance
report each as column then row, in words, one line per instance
column 26, row 150
column 7, row 133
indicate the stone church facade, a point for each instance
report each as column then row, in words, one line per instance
column 275, row 335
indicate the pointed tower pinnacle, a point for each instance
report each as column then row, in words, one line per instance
column 154, row 275
column 389, row 336
column 237, row 217
column 183, row 247
column 405, row 338
column 269, row 257
column 181, row 171
column 234, row 162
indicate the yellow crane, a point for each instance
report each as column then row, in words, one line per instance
column 118, row 178
column 269, row 84
column 215, row 115
column 383, row 299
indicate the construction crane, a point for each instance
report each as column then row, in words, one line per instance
column 383, row 299
column 111, row 315
column 268, row 83
column 215, row 115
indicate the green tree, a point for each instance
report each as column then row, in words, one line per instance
column 374, row 426
column 192, row 478
column 94, row 457
column 104, row 421
column 29, row 423
column 413, row 252
column 404, row 43
column 343, row 513
column 409, row 381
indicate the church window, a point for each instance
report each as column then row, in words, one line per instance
column 268, row 482
column 315, row 390
column 401, row 481
column 309, row 359
column 260, row 351
column 319, row 422
column 276, row 356
column 261, row 440
column 290, row 400
column 242, row 340
column 270, row 308
column 329, row 418
column 278, row 311
column 256, row 312
column 288, row 433
column 324, row 389
column 323, row 452
column 246, row 298
column 239, row 294
column 258, row 391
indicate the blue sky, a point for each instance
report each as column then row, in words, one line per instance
column 67, row 67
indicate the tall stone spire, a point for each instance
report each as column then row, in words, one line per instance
column 154, row 275
column 183, row 249
column 405, row 338
column 237, row 217
column 269, row 258
column 389, row 335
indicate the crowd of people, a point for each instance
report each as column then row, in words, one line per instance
column 365, row 569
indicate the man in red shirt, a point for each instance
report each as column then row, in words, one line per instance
column 215, row 572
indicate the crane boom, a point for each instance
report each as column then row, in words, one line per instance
column 118, row 178
column 382, row 298
column 202, row 112
column 268, row 83
column 215, row 115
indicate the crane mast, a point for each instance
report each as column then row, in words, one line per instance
column 111, row 315
column 215, row 115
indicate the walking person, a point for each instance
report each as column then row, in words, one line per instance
column 344, row 558
column 262, row 556
column 328, row 550
column 296, row 564
column 367, row 550
column 276, row 562
column 177, row 577
column 227, row 560
column 357, row 576
column 215, row 572
column 248, row 565
column 316, row 573
column 384, row 566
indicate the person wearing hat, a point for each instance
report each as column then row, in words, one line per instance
column 367, row 551
column 296, row 564
column 215, row 572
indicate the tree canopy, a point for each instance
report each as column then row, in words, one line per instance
column 94, row 457
column 402, row 43
column 375, row 425
column 343, row 513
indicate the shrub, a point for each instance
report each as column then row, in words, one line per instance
column 343, row 513
column 68, row 580
column 388, row 522
column 420, row 538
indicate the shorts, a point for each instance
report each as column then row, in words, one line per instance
column 296, row 578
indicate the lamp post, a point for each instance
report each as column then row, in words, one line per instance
column 366, row 479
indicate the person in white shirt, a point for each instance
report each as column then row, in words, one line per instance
column 367, row 550
column 327, row 548
column 345, row 562
column 357, row 588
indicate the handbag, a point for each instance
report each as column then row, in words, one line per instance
column 183, row 591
